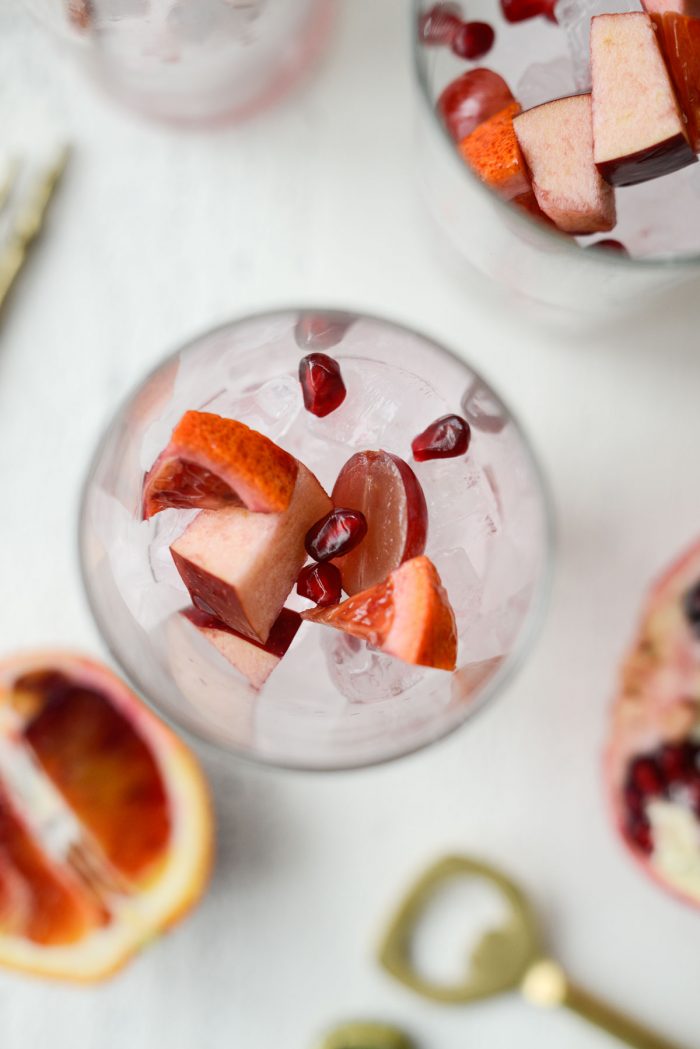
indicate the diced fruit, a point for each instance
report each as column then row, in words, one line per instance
column 680, row 40
column 638, row 133
column 610, row 244
column 386, row 490
column 336, row 534
column 520, row 10
column 407, row 616
column 473, row 40
column 653, row 757
column 320, row 583
column 116, row 844
column 321, row 331
column 556, row 140
column 240, row 566
column 438, row 25
column 471, row 99
column 446, row 438
column 322, row 384
column 493, row 153
column 691, row 8
column 253, row 659
column 212, row 462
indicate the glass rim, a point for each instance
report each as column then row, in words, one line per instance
column 568, row 245
column 511, row 662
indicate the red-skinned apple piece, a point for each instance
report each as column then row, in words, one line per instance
column 556, row 141
column 471, row 99
column 255, row 660
column 386, row 490
column 211, row 462
column 240, row 566
column 637, row 134
column 407, row 616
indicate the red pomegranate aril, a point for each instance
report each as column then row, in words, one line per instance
column 473, row 40
column 320, row 583
column 438, row 26
column 520, row 10
column 610, row 244
column 321, row 331
column 646, row 776
column 336, row 534
column 676, row 762
column 446, row 438
column 322, row 384
column 638, row 831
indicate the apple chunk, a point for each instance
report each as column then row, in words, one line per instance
column 240, row 566
column 638, row 129
column 253, row 659
column 557, row 142
column 680, row 38
column 408, row 616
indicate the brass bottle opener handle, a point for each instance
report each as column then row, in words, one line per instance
column 546, row 985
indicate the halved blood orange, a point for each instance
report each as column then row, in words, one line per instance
column 211, row 462
column 105, row 821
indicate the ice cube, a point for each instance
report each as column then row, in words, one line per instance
column 364, row 675
column 166, row 527
column 382, row 408
column 270, row 407
column 463, row 585
column 462, row 508
column 544, row 81
column 482, row 410
column 574, row 17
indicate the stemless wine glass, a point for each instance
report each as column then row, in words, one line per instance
column 333, row 701
column 658, row 221
column 191, row 61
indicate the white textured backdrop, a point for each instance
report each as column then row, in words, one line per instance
column 155, row 236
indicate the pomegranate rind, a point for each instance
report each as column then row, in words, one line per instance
column 181, row 877
column 230, row 464
column 409, row 616
column 658, row 699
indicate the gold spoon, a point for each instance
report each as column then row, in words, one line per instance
column 507, row 958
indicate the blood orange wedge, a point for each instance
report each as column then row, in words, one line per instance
column 105, row 822
column 212, row 462
column 653, row 758
column 408, row 616
column 386, row 490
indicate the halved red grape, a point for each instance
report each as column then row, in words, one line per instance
column 471, row 99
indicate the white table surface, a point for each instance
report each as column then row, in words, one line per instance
column 156, row 236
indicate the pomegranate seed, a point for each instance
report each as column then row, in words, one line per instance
column 320, row 584
column 638, row 832
column 321, row 384
column 471, row 99
column 439, row 25
column 336, row 534
column 610, row 244
column 321, row 331
column 520, row 10
column 646, row 776
column 482, row 409
column 446, row 438
column 691, row 607
column 473, row 40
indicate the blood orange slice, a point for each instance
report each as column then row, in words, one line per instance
column 212, row 462
column 105, row 822
column 408, row 616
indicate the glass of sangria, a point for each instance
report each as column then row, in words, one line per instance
column 191, row 61
column 528, row 160
column 316, row 539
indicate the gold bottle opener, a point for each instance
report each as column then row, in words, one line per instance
column 506, row 958
column 366, row 1035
